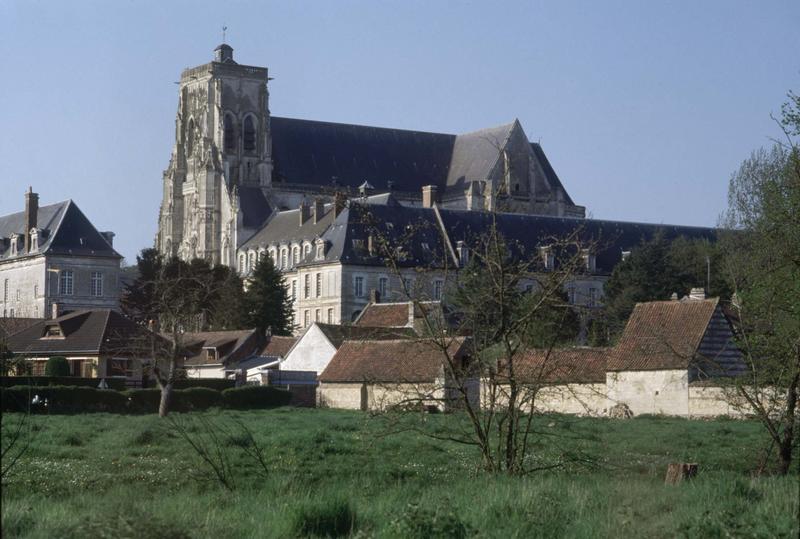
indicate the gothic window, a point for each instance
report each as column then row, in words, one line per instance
column 190, row 137
column 228, row 134
column 249, row 134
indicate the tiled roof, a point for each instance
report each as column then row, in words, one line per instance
column 662, row 335
column 395, row 361
column 278, row 346
column 338, row 334
column 578, row 365
column 230, row 345
column 392, row 315
column 98, row 331
column 9, row 326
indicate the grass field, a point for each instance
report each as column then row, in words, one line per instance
column 335, row 472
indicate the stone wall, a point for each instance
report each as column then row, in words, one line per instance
column 664, row 392
column 348, row 396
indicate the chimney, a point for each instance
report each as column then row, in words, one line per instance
column 319, row 209
column 674, row 296
column 305, row 212
column 428, row 196
column 374, row 296
column 338, row 204
column 31, row 215
column 109, row 236
column 54, row 310
column 697, row 293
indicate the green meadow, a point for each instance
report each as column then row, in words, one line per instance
column 333, row 473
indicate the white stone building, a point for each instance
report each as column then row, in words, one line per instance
column 53, row 258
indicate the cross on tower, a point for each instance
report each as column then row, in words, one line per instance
column 224, row 28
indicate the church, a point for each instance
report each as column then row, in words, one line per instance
column 233, row 165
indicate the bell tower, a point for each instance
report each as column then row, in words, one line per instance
column 222, row 140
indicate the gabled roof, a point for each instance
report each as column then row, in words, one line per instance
column 65, row 230
column 98, row 331
column 278, row 346
column 338, row 334
column 476, row 154
column 662, row 335
column 576, row 365
column 392, row 315
column 230, row 346
column 393, row 361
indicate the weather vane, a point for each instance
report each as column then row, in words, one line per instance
column 224, row 28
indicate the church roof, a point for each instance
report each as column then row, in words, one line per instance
column 65, row 230
column 476, row 154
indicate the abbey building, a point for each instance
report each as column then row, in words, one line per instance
column 233, row 165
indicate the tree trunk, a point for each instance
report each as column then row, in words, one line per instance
column 787, row 441
column 166, row 395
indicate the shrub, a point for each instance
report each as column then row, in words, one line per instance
column 249, row 397
column 220, row 384
column 143, row 401
column 196, row 398
column 57, row 366
column 61, row 399
column 329, row 518
column 11, row 381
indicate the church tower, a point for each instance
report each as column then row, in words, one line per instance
column 222, row 144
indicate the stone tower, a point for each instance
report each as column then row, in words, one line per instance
column 222, row 145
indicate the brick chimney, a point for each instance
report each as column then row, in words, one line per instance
column 374, row 296
column 305, row 212
column 428, row 196
column 319, row 210
column 31, row 215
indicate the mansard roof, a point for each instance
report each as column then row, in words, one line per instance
column 65, row 230
column 285, row 227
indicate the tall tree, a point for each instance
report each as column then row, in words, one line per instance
column 763, row 262
column 266, row 300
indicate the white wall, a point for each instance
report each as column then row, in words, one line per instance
column 345, row 396
column 206, row 371
column 650, row 392
column 312, row 352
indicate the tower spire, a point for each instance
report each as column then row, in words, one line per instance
column 224, row 29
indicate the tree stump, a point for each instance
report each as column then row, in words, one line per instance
column 677, row 472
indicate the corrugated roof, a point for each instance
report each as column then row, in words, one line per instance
column 395, row 361
column 662, row 335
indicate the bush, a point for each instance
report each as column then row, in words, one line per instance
column 220, row 384
column 11, row 381
column 143, row 401
column 61, row 399
column 250, row 397
column 57, row 366
column 330, row 518
column 195, row 398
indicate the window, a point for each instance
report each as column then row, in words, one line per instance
column 294, row 289
column 296, row 254
column 14, row 245
column 548, row 259
column 320, row 255
column 228, row 134
column 307, row 285
column 358, row 287
column 571, row 295
column 252, row 265
column 65, row 283
column 330, row 316
column 408, row 284
column 318, row 290
column 242, row 263
column 34, row 240
column 97, row 283
column 383, row 286
column 589, row 260
column 306, row 248
column 5, row 290
column 437, row 289
column 19, row 295
column 284, row 258
column 306, row 319
column 190, row 137
column 317, row 315
column 249, row 134
column 592, row 297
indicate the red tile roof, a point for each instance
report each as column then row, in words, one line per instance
column 278, row 346
column 662, row 335
column 393, row 315
column 579, row 365
column 395, row 361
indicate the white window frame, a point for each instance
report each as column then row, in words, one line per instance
column 96, row 284
column 66, row 283
column 358, row 285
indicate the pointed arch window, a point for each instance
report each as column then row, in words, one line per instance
column 190, row 137
column 228, row 134
column 249, row 134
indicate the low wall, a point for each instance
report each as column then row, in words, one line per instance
column 341, row 395
column 663, row 392
column 577, row 399
column 713, row 401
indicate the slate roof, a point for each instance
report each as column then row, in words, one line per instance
column 254, row 205
column 65, row 230
column 476, row 154
column 231, row 346
column 284, row 227
column 97, row 331
column 9, row 326
column 662, row 335
column 394, row 361
column 338, row 334
column 577, row 365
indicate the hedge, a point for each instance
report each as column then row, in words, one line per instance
column 249, row 397
column 76, row 399
column 220, row 384
column 10, row 381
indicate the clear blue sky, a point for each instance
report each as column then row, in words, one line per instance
column 644, row 108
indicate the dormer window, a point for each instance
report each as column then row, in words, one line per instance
column 548, row 258
column 320, row 253
column 625, row 255
column 589, row 260
column 34, row 240
column 463, row 253
column 211, row 354
column 53, row 331
column 14, row 244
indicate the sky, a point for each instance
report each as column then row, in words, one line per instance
column 644, row 109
